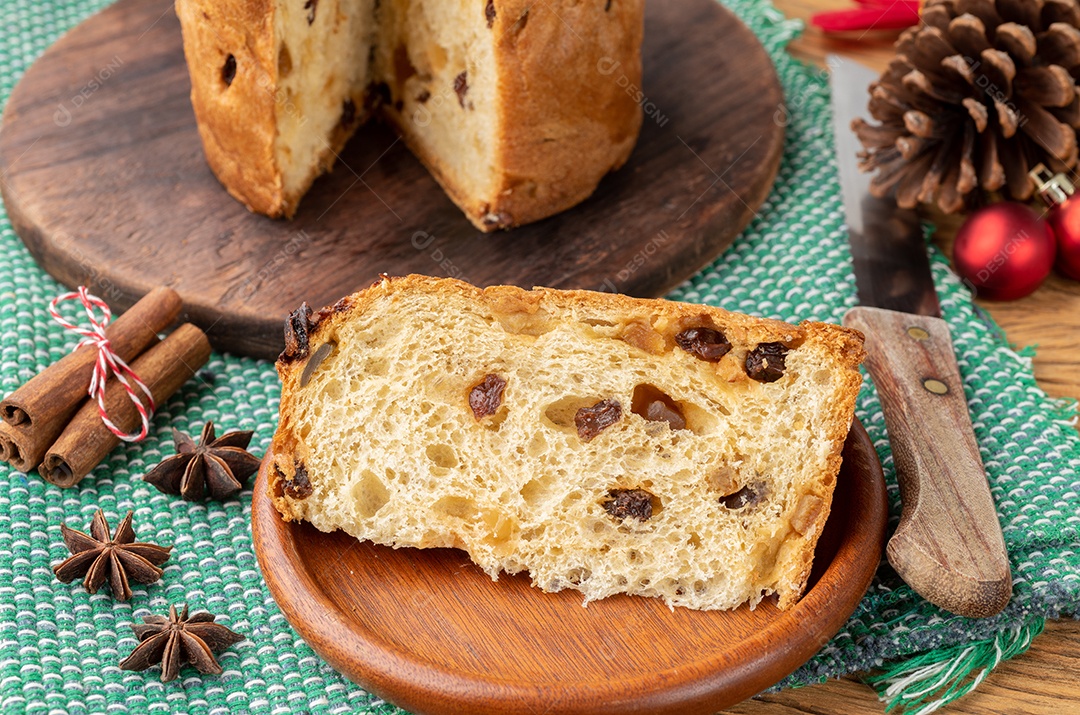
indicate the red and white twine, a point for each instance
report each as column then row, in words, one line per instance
column 108, row 363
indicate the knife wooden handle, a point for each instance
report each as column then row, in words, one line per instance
column 948, row 546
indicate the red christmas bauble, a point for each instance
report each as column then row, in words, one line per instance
column 1004, row 251
column 1064, row 219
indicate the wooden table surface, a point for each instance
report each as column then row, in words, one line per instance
column 1046, row 679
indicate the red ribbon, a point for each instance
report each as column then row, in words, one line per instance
column 108, row 363
column 870, row 15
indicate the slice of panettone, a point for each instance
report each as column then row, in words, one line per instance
column 602, row 443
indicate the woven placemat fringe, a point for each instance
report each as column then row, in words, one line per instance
column 928, row 681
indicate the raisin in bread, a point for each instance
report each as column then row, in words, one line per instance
column 602, row 443
column 518, row 109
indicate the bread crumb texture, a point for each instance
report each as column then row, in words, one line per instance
column 601, row 443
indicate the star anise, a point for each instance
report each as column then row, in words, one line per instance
column 215, row 466
column 179, row 640
column 119, row 559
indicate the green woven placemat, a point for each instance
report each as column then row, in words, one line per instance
column 59, row 646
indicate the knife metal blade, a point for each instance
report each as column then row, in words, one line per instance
column 948, row 545
column 892, row 270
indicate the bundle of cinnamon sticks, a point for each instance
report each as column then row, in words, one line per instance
column 51, row 424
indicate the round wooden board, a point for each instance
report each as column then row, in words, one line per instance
column 105, row 181
column 429, row 631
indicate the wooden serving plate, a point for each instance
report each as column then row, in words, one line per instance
column 430, row 632
column 105, row 181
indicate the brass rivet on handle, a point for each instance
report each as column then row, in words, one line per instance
column 918, row 333
column 935, row 386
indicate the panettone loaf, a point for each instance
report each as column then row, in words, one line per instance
column 602, row 443
column 518, row 109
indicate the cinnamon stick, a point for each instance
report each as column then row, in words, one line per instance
column 14, row 447
column 38, row 411
column 87, row 441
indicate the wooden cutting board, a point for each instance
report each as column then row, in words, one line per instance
column 429, row 631
column 105, row 181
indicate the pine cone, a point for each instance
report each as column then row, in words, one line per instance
column 980, row 93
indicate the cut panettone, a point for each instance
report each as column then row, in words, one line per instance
column 602, row 443
column 518, row 109
column 278, row 87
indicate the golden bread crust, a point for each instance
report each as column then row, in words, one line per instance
column 563, row 131
column 237, row 120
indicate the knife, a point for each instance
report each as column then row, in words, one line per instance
column 948, row 545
